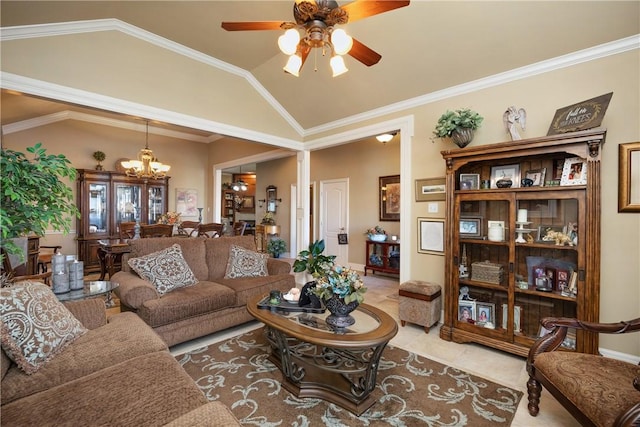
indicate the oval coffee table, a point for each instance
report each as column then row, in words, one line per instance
column 317, row 361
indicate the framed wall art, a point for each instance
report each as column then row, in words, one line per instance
column 430, row 189
column 187, row 202
column 505, row 172
column 431, row 236
column 389, row 198
column 629, row 177
column 574, row 171
column 470, row 227
column 469, row 181
column 537, row 176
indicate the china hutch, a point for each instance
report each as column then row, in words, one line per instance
column 524, row 224
column 106, row 199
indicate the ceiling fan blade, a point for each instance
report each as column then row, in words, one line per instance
column 251, row 26
column 360, row 9
column 364, row 54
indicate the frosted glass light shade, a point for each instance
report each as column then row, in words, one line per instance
column 342, row 42
column 288, row 42
column 337, row 65
column 293, row 65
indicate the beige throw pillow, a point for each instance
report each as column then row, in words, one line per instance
column 245, row 263
column 166, row 269
column 35, row 325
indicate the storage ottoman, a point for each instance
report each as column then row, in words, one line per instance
column 420, row 303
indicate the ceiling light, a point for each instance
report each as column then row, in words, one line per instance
column 288, row 42
column 386, row 137
column 240, row 185
column 337, row 65
column 342, row 42
column 146, row 165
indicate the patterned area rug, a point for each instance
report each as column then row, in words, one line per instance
column 411, row 391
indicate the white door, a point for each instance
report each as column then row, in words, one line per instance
column 334, row 217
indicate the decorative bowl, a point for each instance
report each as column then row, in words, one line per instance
column 377, row 237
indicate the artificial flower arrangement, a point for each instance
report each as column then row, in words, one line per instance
column 375, row 230
column 170, row 218
column 341, row 282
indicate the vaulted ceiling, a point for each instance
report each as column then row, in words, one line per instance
column 426, row 47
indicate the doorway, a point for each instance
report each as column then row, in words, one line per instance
column 334, row 217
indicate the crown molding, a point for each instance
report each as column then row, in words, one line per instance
column 578, row 57
column 111, row 24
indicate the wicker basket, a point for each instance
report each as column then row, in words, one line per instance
column 487, row 272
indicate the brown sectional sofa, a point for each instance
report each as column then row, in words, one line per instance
column 118, row 373
column 211, row 305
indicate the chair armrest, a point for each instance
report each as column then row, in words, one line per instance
column 92, row 313
column 277, row 266
column 133, row 290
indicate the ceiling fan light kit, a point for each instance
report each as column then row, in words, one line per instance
column 317, row 20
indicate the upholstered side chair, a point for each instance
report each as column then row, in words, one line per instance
column 596, row 390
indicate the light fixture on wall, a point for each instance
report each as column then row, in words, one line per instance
column 146, row 166
column 386, row 137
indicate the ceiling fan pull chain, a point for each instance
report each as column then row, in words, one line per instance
column 315, row 60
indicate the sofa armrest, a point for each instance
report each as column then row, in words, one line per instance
column 211, row 414
column 277, row 266
column 92, row 313
column 133, row 290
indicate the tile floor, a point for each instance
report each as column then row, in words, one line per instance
column 494, row 365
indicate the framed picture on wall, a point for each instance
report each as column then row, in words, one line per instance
column 431, row 236
column 187, row 202
column 389, row 198
column 430, row 189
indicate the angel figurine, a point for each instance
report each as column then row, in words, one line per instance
column 511, row 118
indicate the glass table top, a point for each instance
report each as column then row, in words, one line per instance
column 90, row 289
column 365, row 321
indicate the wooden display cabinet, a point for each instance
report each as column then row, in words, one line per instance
column 506, row 285
column 105, row 199
column 383, row 257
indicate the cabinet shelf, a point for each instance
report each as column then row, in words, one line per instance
column 504, row 265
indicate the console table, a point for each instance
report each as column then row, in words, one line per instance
column 383, row 257
column 110, row 255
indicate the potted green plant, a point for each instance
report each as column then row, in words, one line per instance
column 33, row 196
column 313, row 261
column 276, row 246
column 99, row 156
column 458, row 125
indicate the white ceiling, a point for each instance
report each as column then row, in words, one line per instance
column 426, row 47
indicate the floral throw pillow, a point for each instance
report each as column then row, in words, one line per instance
column 35, row 325
column 167, row 269
column 245, row 263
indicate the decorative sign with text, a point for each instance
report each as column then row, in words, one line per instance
column 581, row 116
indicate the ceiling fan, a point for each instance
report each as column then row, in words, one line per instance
column 317, row 19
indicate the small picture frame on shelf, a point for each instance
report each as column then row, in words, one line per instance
column 469, row 181
column 501, row 175
column 562, row 281
column 517, row 316
column 485, row 312
column 466, row 311
column 537, row 176
column 574, row 171
column 470, row 227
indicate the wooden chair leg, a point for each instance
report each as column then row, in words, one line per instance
column 533, row 389
column 403, row 322
column 426, row 329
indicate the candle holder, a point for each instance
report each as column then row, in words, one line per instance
column 520, row 230
column 200, row 214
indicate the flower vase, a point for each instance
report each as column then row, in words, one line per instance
column 462, row 136
column 340, row 317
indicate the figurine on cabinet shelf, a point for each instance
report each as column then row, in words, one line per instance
column 512, row 118
column 559, row 237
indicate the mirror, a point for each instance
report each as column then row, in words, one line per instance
column 272, row 196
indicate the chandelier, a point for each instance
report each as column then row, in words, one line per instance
column 318, row 33
column 146, row 166
column 240, row 185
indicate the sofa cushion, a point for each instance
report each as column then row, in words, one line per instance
column 601, row 387
column 184, row 303
column 149, row 390
column 35, row 325
column 166, row 269
column 245, row 263
column 247, row 288
column 193, row 251
column 218, row 253
column 123, row 338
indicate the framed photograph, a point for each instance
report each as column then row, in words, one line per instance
column 629, row 177
column 466, row 311
column 469, row 181
column 389, row 198
column 517, row 316
column 343, row 239
column 511, row 172
column 537, row 176
column 544, row 229
column 485, row 312
column 431, row 237
column 562, row 281
column 574, row 171
column 470, row 227
column 558, row 165
column 187, row 202
column 430, row 189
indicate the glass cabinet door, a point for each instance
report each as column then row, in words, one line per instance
column 98, row 221
column 156, row 204
column 128, row 199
